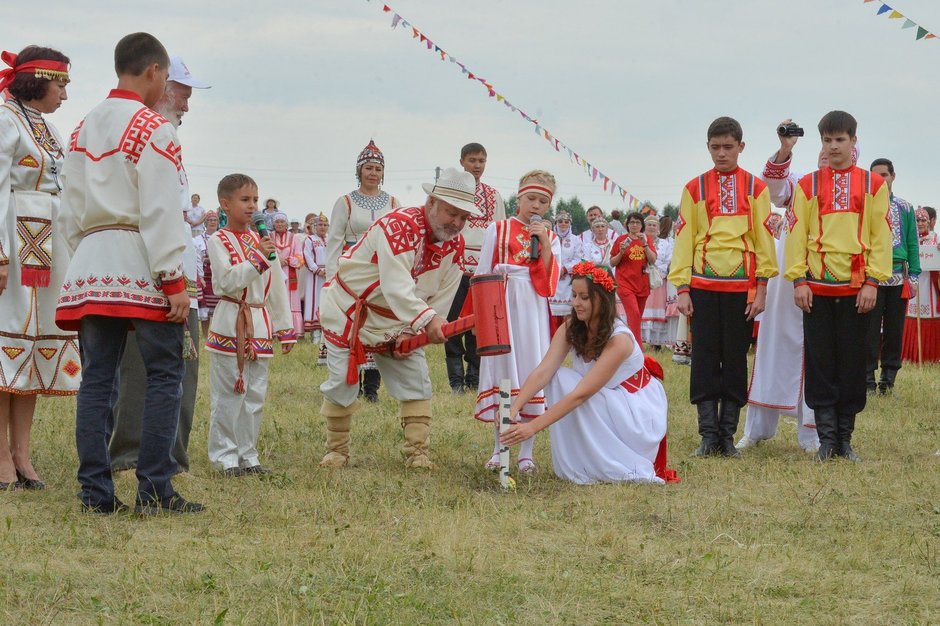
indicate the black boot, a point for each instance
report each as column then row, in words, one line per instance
column 827, row 427
column 870, row 384
column 886, row 385
column 846, row 426
column 371, row 379
column 728, row 426
column 708, row 428
column 455, row 372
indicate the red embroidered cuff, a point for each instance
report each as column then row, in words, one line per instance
column 287, row 336
column 798, row 281
column 777, row 171
column 871, row 281
column 682, row 289
column 762, row 281
column 171, row 287
column 258, row 261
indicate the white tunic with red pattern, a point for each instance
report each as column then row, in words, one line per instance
column 121, row 214
column 314, row 252
column 401, row 278
column 241, row 273
column 489, row 200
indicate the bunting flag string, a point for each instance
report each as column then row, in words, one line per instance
column 608, row 184
column 894, row 14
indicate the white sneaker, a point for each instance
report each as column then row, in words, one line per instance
column 811, row 449
column 746, row 442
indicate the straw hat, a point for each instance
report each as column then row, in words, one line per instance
column 456, row 188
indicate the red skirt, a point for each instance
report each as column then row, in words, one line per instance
column 930, row 342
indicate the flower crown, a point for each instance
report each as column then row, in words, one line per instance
column 598, row 274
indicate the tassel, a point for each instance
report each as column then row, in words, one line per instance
column 906, row 291
column 189, row 346
column 240, row 384
column 357, row 356
column 35, row 277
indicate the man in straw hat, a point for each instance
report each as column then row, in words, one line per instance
column 398, row 279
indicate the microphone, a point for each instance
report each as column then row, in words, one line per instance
column 262, row 227
column 534, row 245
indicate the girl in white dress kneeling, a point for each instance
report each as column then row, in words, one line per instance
column 607, row 414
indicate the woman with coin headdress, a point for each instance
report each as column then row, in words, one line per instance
column 352, row 216
column 36, row 357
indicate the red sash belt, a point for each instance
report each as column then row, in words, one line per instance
column 244, row 333
column 357, row 354
column 637, row 381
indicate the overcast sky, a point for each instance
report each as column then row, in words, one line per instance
column 298, row 88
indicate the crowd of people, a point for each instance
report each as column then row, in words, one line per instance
column 112, row 274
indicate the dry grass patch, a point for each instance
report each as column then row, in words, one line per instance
column 774, row 538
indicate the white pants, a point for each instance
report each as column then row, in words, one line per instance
column 761, row 423
column 235, row 418
column 405, row 379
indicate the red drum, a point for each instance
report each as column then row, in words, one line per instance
column 488, row 292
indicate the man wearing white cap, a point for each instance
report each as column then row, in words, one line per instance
column 125, row 440
column 398, row 279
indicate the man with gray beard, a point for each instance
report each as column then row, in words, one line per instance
column 132, row 380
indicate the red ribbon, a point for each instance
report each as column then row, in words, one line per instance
column 7, row 75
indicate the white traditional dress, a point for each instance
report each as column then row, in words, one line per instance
column 926, row 344
column 251, row 288
column 599, row 253
column 571, row 253
column 615, row 435
column 352, row 216
column 290, row 251
column 528, row 288
column 127, row 248
column 314, row 253
column 36, row 356
column 207, row 298
column 776, row 385
column 655, row 324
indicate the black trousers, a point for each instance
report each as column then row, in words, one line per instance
column 721, row 336
column 462, row 348
column 833, row 339
column 886, row 333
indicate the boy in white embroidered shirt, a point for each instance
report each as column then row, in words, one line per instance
column 253, row 309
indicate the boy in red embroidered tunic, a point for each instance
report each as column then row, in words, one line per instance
column 463, row 347
column 121, row 221
column 723, row 257
column 838, row 249
column 252, row 310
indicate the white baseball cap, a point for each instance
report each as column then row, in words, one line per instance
column 179, row 73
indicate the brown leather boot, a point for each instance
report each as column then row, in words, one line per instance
column 338, row 422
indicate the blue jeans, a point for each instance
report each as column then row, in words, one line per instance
column 102, row 343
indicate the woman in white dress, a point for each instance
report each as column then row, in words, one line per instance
column 37, row 357
column 607, row 414
column 352, row 216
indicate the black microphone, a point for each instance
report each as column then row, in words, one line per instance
column 262, row 227
column 534, row 246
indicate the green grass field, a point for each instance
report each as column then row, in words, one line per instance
column 772, row 539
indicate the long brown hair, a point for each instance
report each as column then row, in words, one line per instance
column 604, row 309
